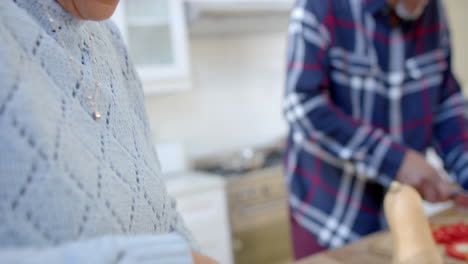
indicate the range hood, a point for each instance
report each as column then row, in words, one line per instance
column 237, row 16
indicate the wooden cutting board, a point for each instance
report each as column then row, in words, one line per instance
column 383, row 244
column 377, row 248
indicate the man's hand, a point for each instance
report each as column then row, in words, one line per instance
column 416, row 172
column 202, row 259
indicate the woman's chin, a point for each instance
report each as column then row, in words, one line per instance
column 97, row 16
column 90, row 9
column 96, row 9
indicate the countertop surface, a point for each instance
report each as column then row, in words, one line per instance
column 377, row 248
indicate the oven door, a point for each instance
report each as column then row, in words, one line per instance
column 265, row 236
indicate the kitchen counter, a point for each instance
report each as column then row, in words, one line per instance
column 377, row 248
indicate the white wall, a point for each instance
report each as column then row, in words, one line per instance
column 458, row 16
column 236, row 96
column 238, row 83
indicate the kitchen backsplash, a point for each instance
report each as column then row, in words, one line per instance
column 235, row 100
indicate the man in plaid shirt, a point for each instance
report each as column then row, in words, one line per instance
column 369, row 89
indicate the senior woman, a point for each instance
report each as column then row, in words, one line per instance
column 79, row 180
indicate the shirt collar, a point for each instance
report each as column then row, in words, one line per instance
column 373, row 6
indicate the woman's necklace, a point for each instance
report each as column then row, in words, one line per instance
column 91, row 98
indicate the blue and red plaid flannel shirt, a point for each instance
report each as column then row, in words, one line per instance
column 360, row 92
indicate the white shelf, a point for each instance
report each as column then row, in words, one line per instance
column 242, row 7
column 238, row 16
column 147, row 21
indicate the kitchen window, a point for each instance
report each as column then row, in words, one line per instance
column 156, row 36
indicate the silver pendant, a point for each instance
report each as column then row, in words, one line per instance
column 96, row 115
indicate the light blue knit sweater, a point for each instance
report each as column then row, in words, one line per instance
column 72, row 189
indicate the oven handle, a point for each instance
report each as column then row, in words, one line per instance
column 260, row 208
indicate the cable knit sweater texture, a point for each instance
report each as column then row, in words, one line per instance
column 72, row 187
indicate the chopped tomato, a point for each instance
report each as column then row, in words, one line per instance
column 451, row 233
column 442, row 237
column 458, row 250
column 462, row 230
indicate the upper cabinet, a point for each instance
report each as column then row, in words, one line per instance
column 238, row 16
column 156, row 36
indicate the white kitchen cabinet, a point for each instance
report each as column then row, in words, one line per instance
column 155, row 33
column 208, row 17
column 202, row 202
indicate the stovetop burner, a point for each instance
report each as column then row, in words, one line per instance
column 245, row 162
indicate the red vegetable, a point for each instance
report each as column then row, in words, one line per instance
column 458, row 250
column 451, row 233
column 441, row 237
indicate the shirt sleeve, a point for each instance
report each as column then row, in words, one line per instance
column 314, row 118
column 450, row 126
column 450, row 130
column 178, row 225
column 159, row 249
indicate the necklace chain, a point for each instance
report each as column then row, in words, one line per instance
column 92, row 99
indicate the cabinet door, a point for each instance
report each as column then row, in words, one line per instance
column 155, row 33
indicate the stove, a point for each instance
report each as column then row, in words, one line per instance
column 258, row 208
